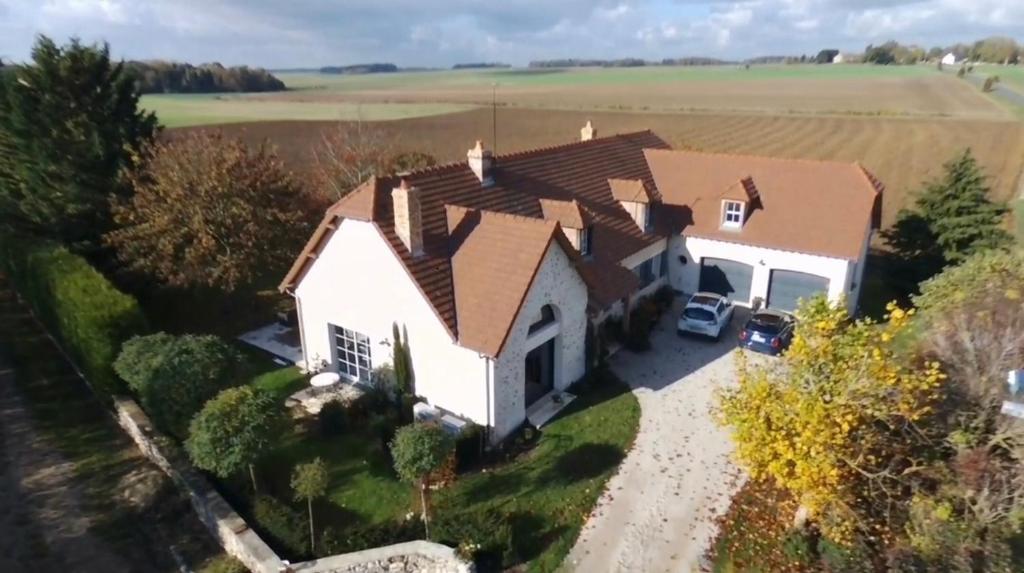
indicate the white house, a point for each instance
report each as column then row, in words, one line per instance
column 949, row 59
column 838, row 59
column 496, row 267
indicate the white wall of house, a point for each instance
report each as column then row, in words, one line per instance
column 358, row 283
column 559, row 284
column 686, row 277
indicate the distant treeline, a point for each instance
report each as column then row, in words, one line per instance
column 695, row 61
column 993, row 50
column 575, row 63
column 480, row 66
column 176, row 77
column 360, row 69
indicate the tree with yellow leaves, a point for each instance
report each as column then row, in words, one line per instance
column 842, row 422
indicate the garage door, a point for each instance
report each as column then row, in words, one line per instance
column 786, row 288
column 727, row 278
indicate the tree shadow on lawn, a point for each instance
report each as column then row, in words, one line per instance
column 583, row 462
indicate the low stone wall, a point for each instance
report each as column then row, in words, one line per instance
column 228, row 527
column 411, row 557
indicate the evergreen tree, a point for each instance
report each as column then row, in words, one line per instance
column 953, row 218
column 72, row 124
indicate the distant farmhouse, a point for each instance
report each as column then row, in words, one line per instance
column 949, row 59
column 840, row 58
column 500, row 268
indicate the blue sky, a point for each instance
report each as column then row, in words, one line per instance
column 275, row 33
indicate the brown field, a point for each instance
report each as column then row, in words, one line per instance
column 789, row 90
column 901, row 152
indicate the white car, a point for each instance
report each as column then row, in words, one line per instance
column 706, row 313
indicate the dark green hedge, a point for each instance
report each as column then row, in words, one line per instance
column 89, row 316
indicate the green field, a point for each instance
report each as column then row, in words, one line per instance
column 180, row 110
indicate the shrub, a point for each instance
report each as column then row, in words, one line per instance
column 223, row 563
column 78, row 305
column 357, row 538
column 487, row 535
column 283, row 526
column 174, row 376
column 332, row 420
column 664, row 297
column 641, row 322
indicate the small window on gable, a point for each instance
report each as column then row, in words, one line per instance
column 586, row 244
column 732, row 215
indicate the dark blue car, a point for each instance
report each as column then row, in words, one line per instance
column 768, row 331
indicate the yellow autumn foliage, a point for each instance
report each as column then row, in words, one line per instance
column 837, row 412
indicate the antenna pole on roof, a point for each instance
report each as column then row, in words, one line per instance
column 494, row 116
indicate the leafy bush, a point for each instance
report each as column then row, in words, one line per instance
column 223, row 563
column 283, row 526
column 332, row 419
column 663, row 298
column 641, row 322
column 357, row 538
column 174, row 376
column 487, row 535
column 86, row 313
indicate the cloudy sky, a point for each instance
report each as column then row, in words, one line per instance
column 298, row 33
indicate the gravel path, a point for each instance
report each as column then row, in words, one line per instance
column 43, row 526
column 657, row 513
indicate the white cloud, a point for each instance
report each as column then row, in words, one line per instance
column 442, row 32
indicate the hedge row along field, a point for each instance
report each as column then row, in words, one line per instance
column 88, row 315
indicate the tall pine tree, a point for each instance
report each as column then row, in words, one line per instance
column 953, row 218
column 71, row 126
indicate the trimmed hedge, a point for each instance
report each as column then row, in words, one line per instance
column 78, row 305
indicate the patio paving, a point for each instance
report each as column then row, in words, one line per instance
column 281, row 341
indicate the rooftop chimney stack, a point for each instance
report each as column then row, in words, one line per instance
column 481, row 162
column 408, row 217
column 588, row 132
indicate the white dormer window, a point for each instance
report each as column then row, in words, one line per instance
column 733, row 214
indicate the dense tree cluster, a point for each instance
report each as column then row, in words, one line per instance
column 993, row 50
column 176, row 77
column 481, row 66
column 209, row 211
column 70, row 128
column 360, row 69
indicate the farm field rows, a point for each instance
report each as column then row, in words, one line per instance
column 181, row 110
column 901, row 152
column 795, row 90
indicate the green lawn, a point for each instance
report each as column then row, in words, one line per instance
column 554, row 485
column 180, row 110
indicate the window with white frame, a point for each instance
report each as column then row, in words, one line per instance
column 586, row 246
column 352, row 351
column 733, row 215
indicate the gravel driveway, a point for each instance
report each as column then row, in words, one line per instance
column 657, row 512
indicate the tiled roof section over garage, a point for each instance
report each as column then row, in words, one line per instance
column 577, row 171
column 817, row 207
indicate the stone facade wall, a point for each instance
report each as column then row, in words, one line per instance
column 559, row 284
column 411, row 557
column 226, row 526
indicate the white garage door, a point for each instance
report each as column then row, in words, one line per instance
column 787, row 288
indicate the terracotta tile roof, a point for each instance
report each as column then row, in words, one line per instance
column 568, row 214
column 817, row 207
column 633, row 190
column 494, row 260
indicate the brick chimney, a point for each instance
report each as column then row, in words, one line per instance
column 481, row 161
column 588, row 132
column 408, row 218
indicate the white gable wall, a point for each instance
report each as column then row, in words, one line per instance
column 686, row 278
column 358, row 283
column 559, row 284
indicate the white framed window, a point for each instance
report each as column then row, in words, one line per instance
column 732, row 215
column 352, row 353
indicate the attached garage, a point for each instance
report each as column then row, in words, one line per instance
column 786, row 288
column 727, row 278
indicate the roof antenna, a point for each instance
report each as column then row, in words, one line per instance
column 494, row 116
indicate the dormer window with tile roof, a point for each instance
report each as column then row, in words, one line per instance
column 586, row 246
column 732, row 214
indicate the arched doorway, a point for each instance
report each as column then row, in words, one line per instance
column 541, row 368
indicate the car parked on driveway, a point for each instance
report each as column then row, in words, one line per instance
column 768, row 331
column 706, row 313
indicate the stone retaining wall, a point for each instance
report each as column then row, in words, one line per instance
column 411, row 557
column 228, row 527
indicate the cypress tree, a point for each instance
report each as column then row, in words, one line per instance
column 398, row 360
column 72, row 126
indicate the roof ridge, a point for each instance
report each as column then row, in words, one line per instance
column 855, row 162
column 489, row 213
